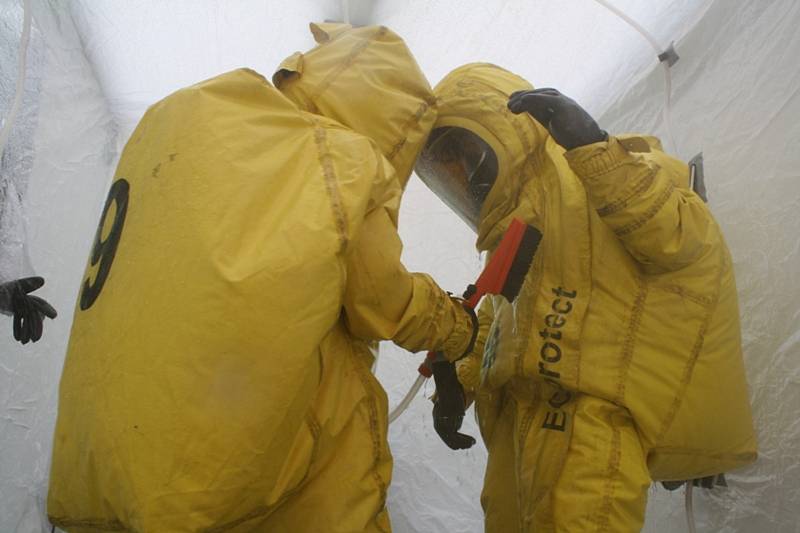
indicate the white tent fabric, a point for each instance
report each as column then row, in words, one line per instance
column 73, row 148
column 737, row 98
column 94, row 67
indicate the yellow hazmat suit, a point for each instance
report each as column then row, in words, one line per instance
column 620, row 360
column 218, row 373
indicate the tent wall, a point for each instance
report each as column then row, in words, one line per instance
column 737, row 98
column 62, row 194
column 20, row 114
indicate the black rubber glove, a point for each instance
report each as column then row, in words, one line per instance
column 568, row 123
column 28, row 310
column 449, row 406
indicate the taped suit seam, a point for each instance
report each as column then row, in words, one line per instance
column 695, row 353
column 374, row 430
column 660, row 201
column 601, row 163
column 705, row 301
column 407, row 126
column 433, row 327
column 639, row 187
column 308, row 105
column 535, row 272
column 685, row 378
column 614, row 458
column 550, row 485
column 348, row 61
column 629, row 343
column 674, row 450
column 89, row 523
column 331, row 184
column 525, row 426
column 500, row 108
column 597, row 166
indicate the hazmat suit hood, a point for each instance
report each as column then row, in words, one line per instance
column 366, row 79
column 474, row 97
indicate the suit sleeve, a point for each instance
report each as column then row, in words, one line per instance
column 384, row 301
column 643, row 199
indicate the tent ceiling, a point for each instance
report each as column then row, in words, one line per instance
column 143, row 50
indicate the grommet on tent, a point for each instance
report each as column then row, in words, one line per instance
column 697, row 180
column 669, row 56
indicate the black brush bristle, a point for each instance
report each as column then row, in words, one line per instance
column 523, row 260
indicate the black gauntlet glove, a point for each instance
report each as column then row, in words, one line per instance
column 28, row 310
column 449, row 406
column 568, row 123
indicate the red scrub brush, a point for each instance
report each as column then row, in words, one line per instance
column 504, row 273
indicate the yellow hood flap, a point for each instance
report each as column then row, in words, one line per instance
column 325, row 31
column 367, row 79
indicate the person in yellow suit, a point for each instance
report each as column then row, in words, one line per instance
column 620, row 361
column 247, row 259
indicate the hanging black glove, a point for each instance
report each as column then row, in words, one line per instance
column 569, row 124
column 449, row 406
column 28, row 310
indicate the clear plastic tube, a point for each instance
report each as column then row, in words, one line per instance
column 668, row 107
column 403, row 405
column 689, row 508
column 667, row 111
column 638, row 27
column 20, row 86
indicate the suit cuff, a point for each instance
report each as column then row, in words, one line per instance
column 594, row 160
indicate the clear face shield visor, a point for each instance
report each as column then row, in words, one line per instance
column 460, row 168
